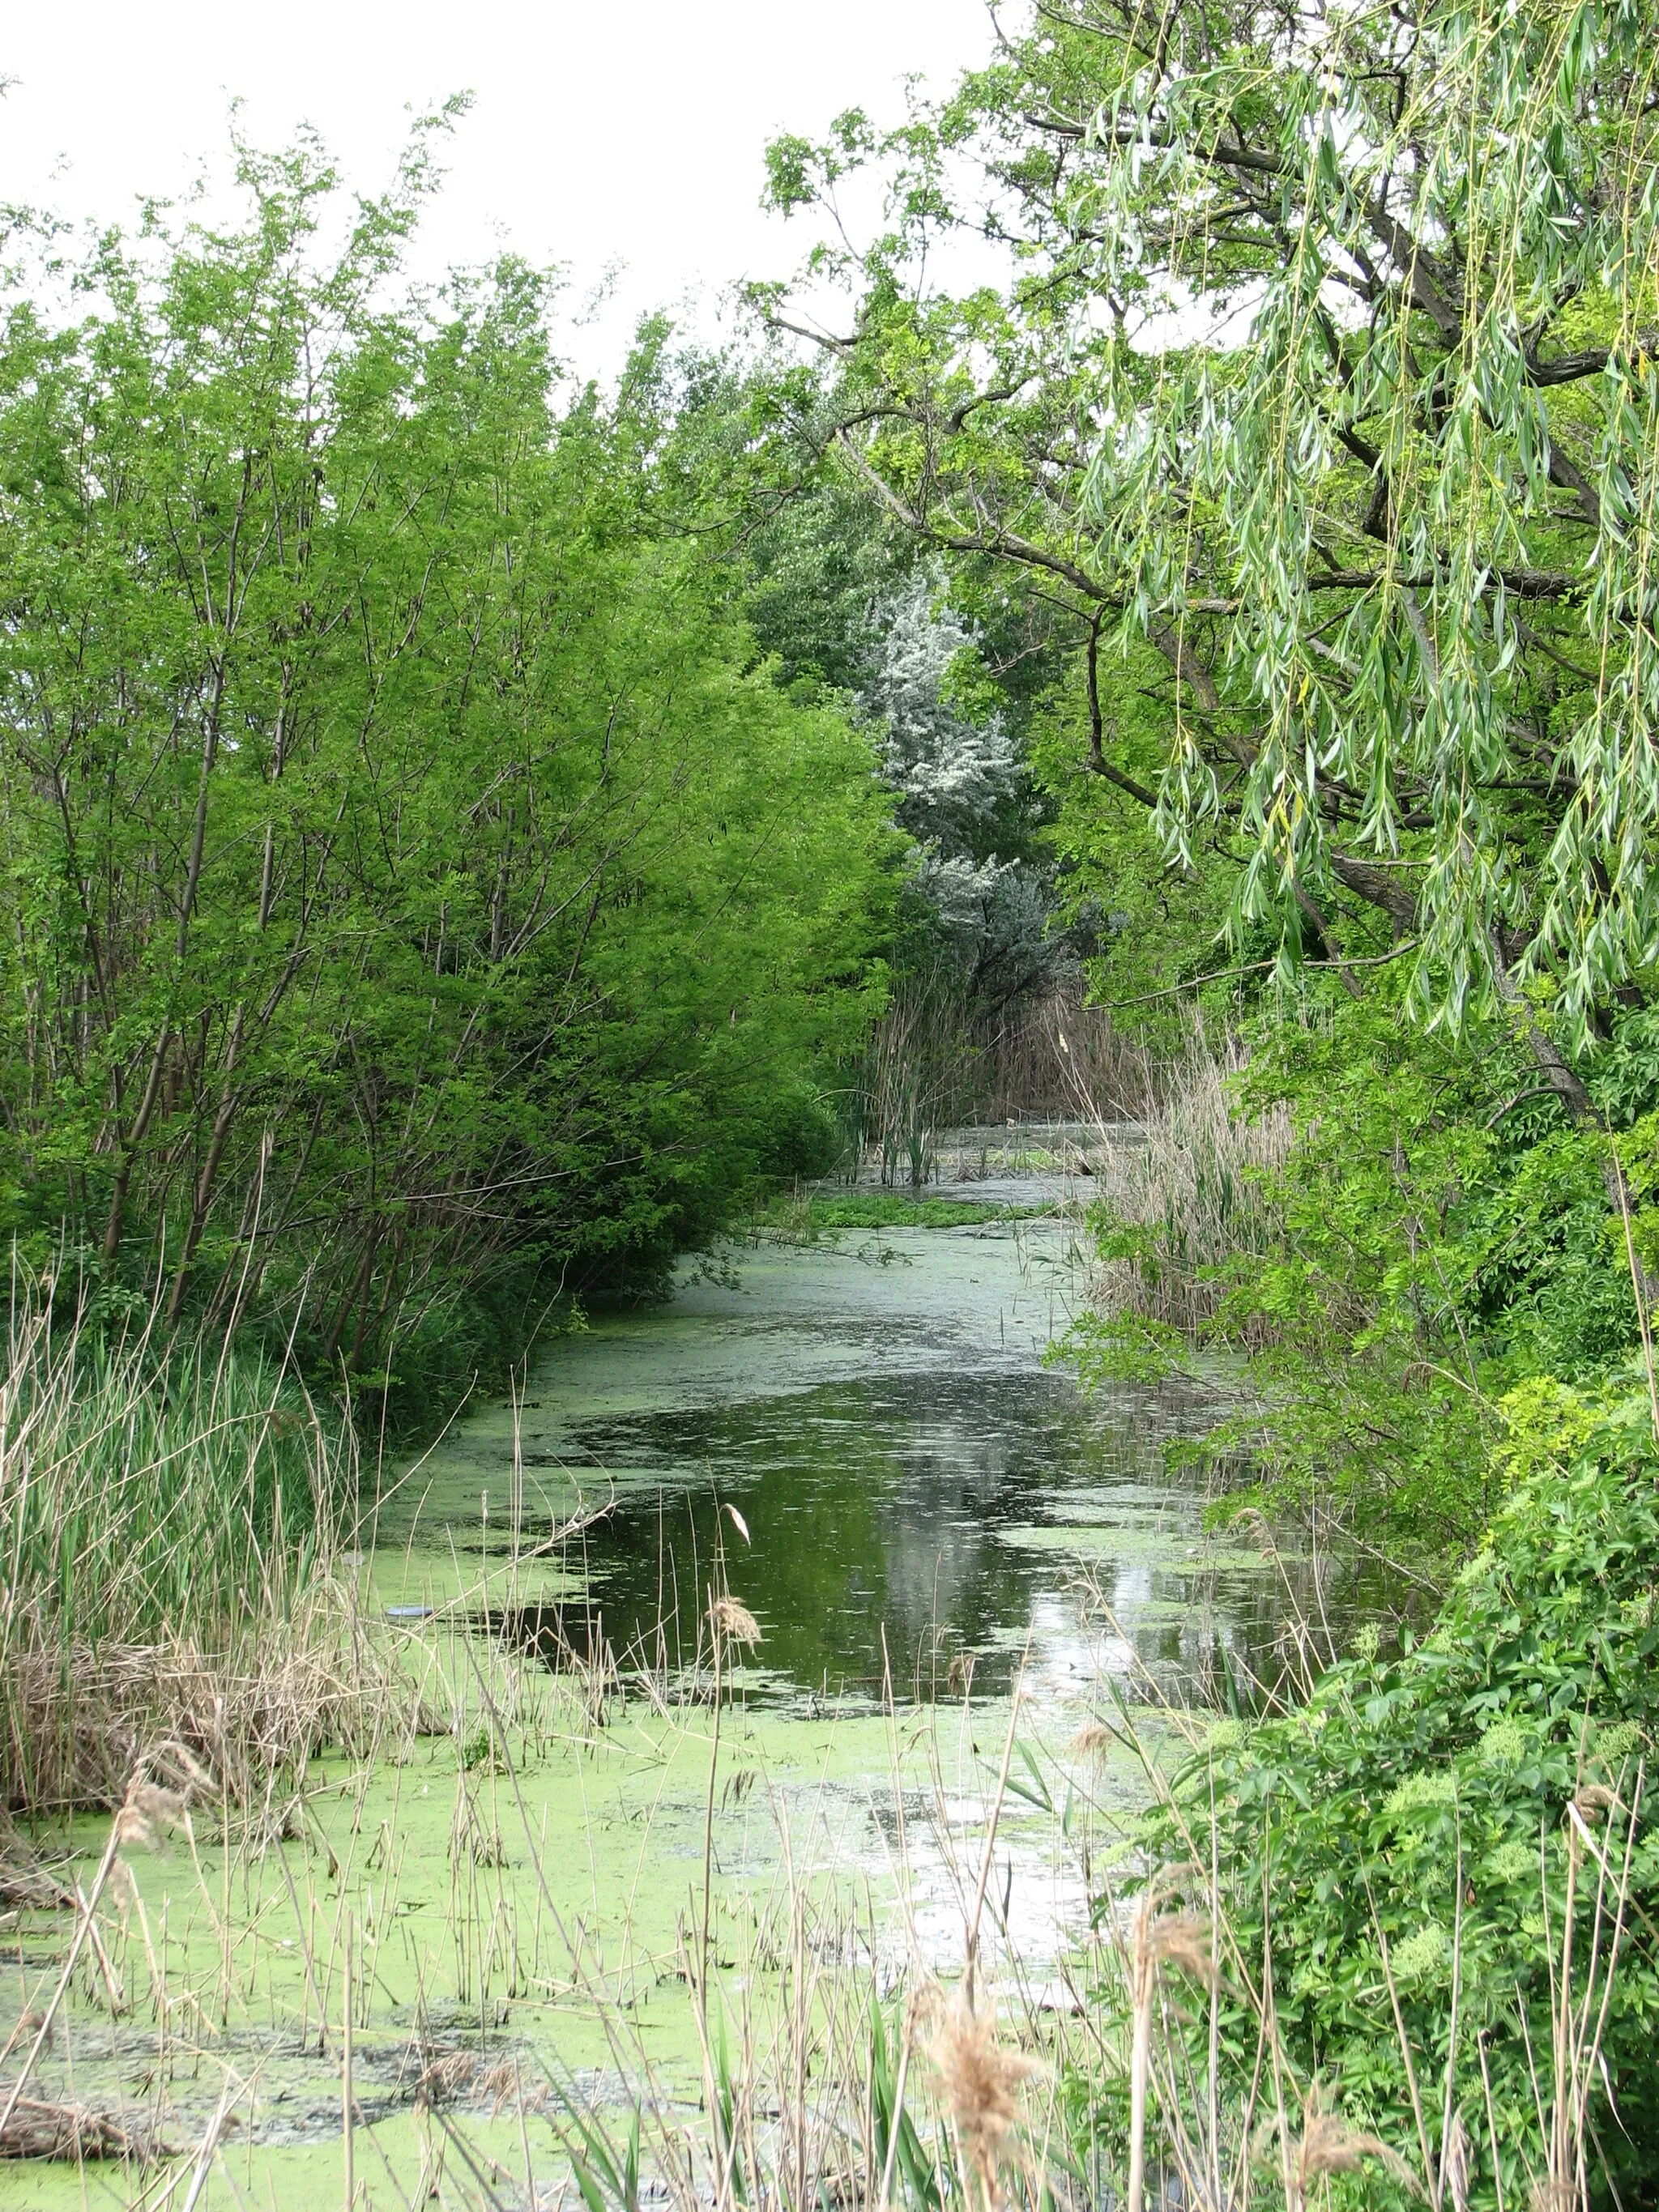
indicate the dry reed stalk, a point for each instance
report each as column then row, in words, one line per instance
column 39, row 2127
column 1054, row 1055
column 347, row 2094
column 1325, row 2145
column 1191, row 1192
column 270, row 1695
column 935, row 1061
column 1177, row 1939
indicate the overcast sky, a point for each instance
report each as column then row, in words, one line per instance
column 601, row 134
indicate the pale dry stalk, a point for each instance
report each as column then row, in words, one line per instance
column 145, row 1808
column 1176, row 1939
column 1328, row 2145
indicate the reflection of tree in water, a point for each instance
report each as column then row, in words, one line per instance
column 1212, row 1634
column 885, row 1505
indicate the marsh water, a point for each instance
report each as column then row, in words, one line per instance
column 863, row 1438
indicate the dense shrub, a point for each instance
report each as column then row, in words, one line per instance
column 1447, row 1799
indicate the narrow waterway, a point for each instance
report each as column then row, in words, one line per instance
column 862, row 1437
column 903, row 1487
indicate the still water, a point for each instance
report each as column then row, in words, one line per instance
column 862, row 1437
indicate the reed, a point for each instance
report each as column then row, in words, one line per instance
column 936, row 1061
column 172, row 1523
column 1194, row 1195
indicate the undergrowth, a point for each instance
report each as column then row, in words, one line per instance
column 804, row 1219
column 1438, row 1866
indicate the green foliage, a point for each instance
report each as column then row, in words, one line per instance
column 416, row 897
column 1417, row 1253
column 1422, row 1801
column 896, row 2142
column 808, row 1218
column 1321, row 400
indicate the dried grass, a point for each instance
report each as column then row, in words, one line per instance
column 934, row 1063
column 1193, row 1195
column 979, row 2081
column 74, row 1723
column 39, row 2127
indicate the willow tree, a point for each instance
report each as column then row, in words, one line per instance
column 1323, row 398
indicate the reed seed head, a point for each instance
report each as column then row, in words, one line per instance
column 979, row 2079
column 1457, row 2163
column 1328, row 2145
column 1170, row 1938
column 147, row 1811
column 734, row 1621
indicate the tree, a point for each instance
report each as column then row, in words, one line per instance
column 411, row 880
column 1323, row 396
column 962, row 794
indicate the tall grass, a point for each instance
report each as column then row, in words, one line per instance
column 1192, row 1196
column 935, row 1062
column 1057, row 1056
column 170, row 1525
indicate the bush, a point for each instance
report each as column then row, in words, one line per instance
column 1466, row 1799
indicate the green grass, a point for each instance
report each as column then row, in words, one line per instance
column 168, row 1523
column 889, row 1209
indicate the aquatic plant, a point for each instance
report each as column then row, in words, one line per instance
column 172, row 1525
column 1194, row 1193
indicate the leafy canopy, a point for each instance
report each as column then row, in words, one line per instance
column 1322, row 396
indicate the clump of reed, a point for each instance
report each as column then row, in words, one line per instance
column 1195, row 1195
column 1052, row 1054
column 913, row 1079
column 938, row 1060
column 170, row 1523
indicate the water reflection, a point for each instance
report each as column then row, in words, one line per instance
column 901, row 1532
column 906, row 1467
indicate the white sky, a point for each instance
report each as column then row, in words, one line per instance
column 600, row 134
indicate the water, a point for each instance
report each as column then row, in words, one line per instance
column 863, row 1438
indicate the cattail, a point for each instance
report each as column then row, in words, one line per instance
column 978, row 2077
